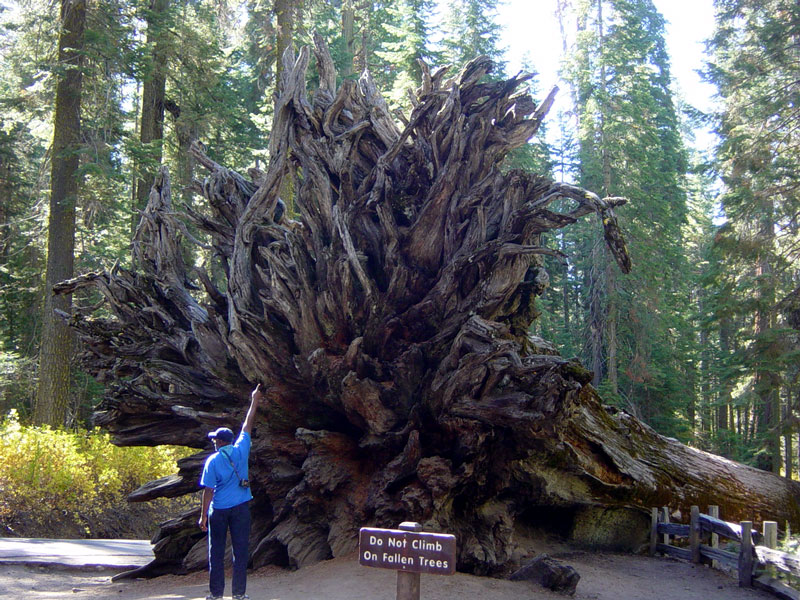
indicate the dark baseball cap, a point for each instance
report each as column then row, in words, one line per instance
column 223, row 434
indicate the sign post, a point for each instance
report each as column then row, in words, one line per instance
column 408, row 583
column 409, row 551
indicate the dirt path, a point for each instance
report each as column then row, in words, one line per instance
column 603, row 577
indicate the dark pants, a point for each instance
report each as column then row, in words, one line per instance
column 219, row 520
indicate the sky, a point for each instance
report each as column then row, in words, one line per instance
column 530, row 28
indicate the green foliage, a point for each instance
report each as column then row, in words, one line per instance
column 405, row 41
column 536, row 155
column 637, row 335
column 77, row 475
column 17, row 386
column 470, row 30
column 756, row 251
column 208, row 82
column 20, row 245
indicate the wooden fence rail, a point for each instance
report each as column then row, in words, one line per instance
column 750, row 557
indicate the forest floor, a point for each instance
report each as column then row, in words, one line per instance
column 603, row 577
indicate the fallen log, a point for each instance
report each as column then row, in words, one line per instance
column 388, row 320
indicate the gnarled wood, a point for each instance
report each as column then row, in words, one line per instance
column 389, row 321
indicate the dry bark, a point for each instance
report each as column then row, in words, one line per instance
column 389, row 321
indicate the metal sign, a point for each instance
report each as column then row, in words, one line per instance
column 409, row 551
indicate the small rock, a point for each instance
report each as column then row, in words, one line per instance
column 548, row 573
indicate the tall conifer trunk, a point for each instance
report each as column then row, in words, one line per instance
column 366, row 11
column 285, row 16
column 709, row 419
column 55, row 354
column 787, row 438
column 565, row 289
column 724, row 409
column 596, row 312
column 6, row 191
column 153, row 96
column 609, row 317
column 348, row 34
column 284, row 12
column 767, row 382
column 611, row 327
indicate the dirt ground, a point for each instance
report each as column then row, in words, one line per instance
column 603, row 577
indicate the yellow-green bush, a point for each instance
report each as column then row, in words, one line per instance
column 50, row 475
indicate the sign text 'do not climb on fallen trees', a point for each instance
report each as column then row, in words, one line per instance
column 408, row 551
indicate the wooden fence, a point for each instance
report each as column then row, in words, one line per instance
column 756, row 561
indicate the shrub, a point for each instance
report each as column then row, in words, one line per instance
column 70, row 481
column 17, row 385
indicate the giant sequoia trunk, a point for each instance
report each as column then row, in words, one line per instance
column 390, row 323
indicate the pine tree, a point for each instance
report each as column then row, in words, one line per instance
column 24, row 92
column 103, row 221
column 20, row 255
column 629, row 145
column 153, row 80
column 755, row 66
column 52, row 396
column 212, row 92
column 404, row 43
column 471, row 30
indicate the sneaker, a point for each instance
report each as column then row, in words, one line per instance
column 241, row 597
column 210, row 597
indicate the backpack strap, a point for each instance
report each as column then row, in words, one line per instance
column 230, row 460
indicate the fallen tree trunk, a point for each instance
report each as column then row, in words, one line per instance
column 389, row 322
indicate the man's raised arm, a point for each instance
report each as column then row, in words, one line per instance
column 255, row 398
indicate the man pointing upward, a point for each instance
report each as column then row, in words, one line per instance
column 226, row 493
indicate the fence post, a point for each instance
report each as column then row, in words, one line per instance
column 408, row 583
column 653, row 531
column 770, row 529
column 746, row 555
column 771, row 534
column 665, row 519
column 694, row 534
column 713, row 511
